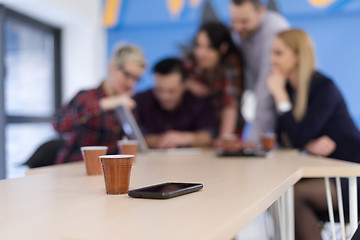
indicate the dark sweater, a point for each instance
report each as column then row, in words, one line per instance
column 193, row 114
column 326, row 114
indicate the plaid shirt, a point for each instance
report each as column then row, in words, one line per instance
column 86, row 125
column 226, row 84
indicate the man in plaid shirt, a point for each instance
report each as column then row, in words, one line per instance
column 89, row 119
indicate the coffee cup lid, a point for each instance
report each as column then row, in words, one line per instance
column 94, row 148
column 127, row 141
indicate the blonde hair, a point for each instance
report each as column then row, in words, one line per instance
column 128, row 53
column 300, row 43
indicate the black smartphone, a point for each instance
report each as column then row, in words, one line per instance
column 242, row 153
column 165, row 190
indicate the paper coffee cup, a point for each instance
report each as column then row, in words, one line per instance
column 128, row 147
column 117, row 171
column 91, row 157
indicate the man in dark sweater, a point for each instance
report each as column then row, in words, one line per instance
column 169, row 115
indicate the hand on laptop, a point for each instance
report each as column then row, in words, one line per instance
column 175, row 139
column 221, row 144
column 110, row 103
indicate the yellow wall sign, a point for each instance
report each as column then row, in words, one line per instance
column 113, row 8
column 175, row 7
column 321, row 3
column 195, row 3
column 111, row 12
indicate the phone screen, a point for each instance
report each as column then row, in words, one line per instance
column 168, row 187
column 165, row 190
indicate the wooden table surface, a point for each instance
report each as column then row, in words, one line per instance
column 61, row 202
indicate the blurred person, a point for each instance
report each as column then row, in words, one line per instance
column 216, row 71
column 254, row 29
column 312, row 115
column 170, row 115
column 89, row 119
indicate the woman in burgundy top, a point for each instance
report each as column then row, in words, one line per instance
column 216, row 71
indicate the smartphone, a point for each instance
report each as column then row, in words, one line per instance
column 243, row 153
column 165, row 190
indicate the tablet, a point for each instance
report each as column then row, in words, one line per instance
column 165, row 190
column 243, row 153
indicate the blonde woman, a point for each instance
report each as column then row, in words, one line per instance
column 89, row 119
column 313, row 116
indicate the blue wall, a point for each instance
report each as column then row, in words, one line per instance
column 335, row 30
column 149, row 24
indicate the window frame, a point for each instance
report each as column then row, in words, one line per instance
column 6, row 14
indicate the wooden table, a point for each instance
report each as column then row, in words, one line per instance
column 61, row 202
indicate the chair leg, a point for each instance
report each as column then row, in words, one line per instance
column 290, row 214
column 353, row 204
column 274, row 211
column 330, row 207
column 266, row 224
column 341, row 208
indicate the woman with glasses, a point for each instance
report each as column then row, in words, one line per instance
column 89, row 119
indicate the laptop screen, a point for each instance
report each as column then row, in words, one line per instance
column 130, row 127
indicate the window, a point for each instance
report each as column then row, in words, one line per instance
column 30, row 88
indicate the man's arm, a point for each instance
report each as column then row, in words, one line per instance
column 153, row 140
column 173, row 139
column 202, row 138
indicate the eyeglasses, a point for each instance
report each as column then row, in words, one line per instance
column 129, row 76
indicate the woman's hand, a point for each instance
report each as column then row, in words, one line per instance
column 197, row 88
column 276, row 83
column 110, row 103
column 323, row 146
column 220, row 144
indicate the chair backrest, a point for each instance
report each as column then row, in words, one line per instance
column 46, row 154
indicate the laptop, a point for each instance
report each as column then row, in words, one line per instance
column 133, row 132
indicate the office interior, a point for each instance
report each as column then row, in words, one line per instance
column 51, row 49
